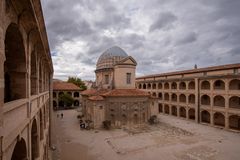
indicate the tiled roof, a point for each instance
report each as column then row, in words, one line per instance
column 96, row 98
column 92, row 92
column 214, row 68
column 126, row 93
column 65, row 86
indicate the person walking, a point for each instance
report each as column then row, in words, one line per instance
column 61, row 115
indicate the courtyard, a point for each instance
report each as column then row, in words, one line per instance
column 171, row 139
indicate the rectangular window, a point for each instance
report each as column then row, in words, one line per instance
column 106, row 79
column 128, row 78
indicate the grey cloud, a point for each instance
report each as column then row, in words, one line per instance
column 188, row 38
column 164, row 21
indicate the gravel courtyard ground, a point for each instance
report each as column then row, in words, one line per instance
column 171, row 139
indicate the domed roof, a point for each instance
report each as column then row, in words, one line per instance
column 110, row 57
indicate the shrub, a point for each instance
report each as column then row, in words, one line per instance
column 152, row 120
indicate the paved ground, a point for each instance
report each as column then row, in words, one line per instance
column 172, row 139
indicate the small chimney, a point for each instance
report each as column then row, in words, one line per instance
column 195, row 66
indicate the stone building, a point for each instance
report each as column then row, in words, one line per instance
column 207, row 95
column 115, row 97
column 26, row 72
column 59, row 88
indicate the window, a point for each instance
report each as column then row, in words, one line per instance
column 128, row 78
column 106, row 79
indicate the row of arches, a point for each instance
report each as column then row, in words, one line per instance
column 175, row 97
column 74, row 94
column 219, row 101
column 204, row 85
column 61, row 105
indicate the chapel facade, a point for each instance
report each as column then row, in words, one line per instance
column 115, row 97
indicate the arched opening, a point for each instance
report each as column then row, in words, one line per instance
column 182, row 98
column 61, row 104
column 166, row 109
column 191, row 85
column 40, row 86
column 54, row 105
column 144, row 86
column 191, row 99
column 174, row 110
column 182, row 112
column 60, row 93
column 34, row 140
column 234, row 102
column 54, row 95
column 160, row 96
column 219, row 84
column 160, row 108
column 234, row 122
column 154, row 86
column 159, row 85
column 166, row 97
column 205, row 100
column 154, row 94
column 234, row 84
column 219, row 119
column 76, row 103
column 205, row 116
column 135, row 119
column 182, row 85
column 20, row 151
column 205, row 85
column 33, row 74
column 76, row 94
column 41, row 125
column 15, row 68
column 174, row 85
column 174, row 97
column 139, row 86
column 191, row 113
column 219, row 101
column 149, row 86
column 166, row 85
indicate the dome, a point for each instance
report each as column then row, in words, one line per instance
column 110, row 57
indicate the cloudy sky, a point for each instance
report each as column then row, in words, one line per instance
column 162, row 35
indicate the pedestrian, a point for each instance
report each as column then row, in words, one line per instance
column 61, row 115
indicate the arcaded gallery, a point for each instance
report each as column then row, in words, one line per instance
column 26, row 73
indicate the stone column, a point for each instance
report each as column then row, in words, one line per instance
column 197, row 101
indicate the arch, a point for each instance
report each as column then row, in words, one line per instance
column 154, row 86
column 33, row 74
column 154, row 94
column 15, row 67
column 159, row 85
column 61, row 104
column 174, row 85
column 234, row 122
column 205, row 85
column 174, row 97
column 205, row 116
column 149, row 86
column 166, row 109
column 219, row 119
column 54, row 105
column 191, row 99
column 219, row 101
column 41, row 125
column 76, row 94
column 182, row 98
column 34, row 140
column 20, row 150
column 140, row 86
column 166, row 85
column 60, row 93
column 144, row 86
column 234, row 84
column 234, row 102
column 191, row 113
column 40, row 86
column 174, row 110
column 219, row 84
column 160, row 95
column 166, row 97
column 160, row 108
column 76, row 103
column 54, row 94
column 191, row 85
column 182, row 112
column 205, row 100
column 182, row 85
